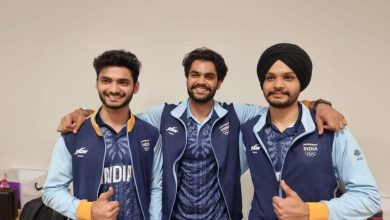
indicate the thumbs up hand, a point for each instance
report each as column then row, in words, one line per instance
column 103, row 209
column 292, row 207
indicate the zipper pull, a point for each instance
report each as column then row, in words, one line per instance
column 278, row 176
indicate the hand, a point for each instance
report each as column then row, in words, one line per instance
column 72, row 121
column 328, row 118
column 292, row 207
column 103, row 209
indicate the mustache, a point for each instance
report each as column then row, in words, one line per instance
column 278, row 92
column 200, row 86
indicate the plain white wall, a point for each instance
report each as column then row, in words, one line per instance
column 47, row 48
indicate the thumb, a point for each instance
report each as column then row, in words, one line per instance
column 289, row 192
column 106, row 195
column 320, row 125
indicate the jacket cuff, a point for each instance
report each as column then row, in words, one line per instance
column 83, row 210
column 318, row 210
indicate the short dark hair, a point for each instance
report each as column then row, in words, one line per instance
column 119, row 58
column 206, row 55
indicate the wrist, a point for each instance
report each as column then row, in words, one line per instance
column 84, row 111
column 320, row 101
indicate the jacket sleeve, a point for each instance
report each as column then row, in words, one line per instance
column 55, row 190
column 246, row 112
column 361, row 198
column 156, row 186
column 152, row 116
column 242, row 152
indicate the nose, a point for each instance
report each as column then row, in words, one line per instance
column 114, row 88
column 278, row 83
column 201, row 80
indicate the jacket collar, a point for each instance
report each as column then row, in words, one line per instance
column 130, row 123
column 182, row 107
column 306, row 119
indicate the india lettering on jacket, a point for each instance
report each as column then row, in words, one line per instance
column 116, row 174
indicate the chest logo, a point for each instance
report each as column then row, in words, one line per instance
column 145, row 144
column 172, row 130
column 224, row 128
column 255, row 148
column 81, row 152
column 310, row 149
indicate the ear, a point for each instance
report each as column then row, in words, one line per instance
column 136, row 87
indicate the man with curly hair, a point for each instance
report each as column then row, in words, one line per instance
column 114, row 161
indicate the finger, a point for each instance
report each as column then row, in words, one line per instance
column 77, row 124
column 106, row 195
column 343, row 122
column 276, row 209
column 112, row 205
column 320, row 125
column 112, row 213
column 289, row 192
column 115, row 212
column 277, row 201
column 66, row 124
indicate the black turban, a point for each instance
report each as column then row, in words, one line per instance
column 291, row 55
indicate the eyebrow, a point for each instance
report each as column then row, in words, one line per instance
column 207, row 73
column 285, row 73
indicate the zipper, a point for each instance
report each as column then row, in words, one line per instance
column 174, row 166
column 281, row 170
column 135, row 180
column 102, row 170
column 219, row 182
column 278, row 175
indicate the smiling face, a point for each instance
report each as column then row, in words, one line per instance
column 202, row 81
column 281, row 86
column 116, row 87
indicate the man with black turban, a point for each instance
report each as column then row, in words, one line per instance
column 283, row 147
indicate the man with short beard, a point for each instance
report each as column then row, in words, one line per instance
column 115, row 159
column 200, row 143
column 283, row 147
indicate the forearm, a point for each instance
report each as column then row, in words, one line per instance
column 55, row 190
column 361, row 197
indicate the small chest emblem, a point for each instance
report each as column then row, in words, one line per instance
column 224, row 128
column 81, row 152
column 145, row 144
column 255, row 148
column 172, row 130
column 310, row 149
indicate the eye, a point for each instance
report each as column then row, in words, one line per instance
column 105, row 80
column 289, row 77
column 269, row 77
column 210, row 77
column 193, row 75
column 124, row 82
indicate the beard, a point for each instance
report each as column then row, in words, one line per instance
column 291, row 99
column 126, row 101
column 203, row 99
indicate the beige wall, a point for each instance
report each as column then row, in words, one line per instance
column 47, row 47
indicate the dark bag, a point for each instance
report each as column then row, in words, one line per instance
column 36, row 210
column 8, row 204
